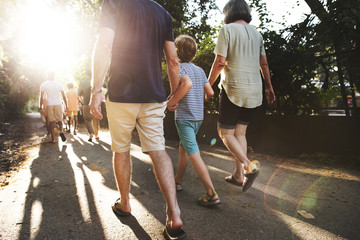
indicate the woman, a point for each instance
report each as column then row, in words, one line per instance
column 240, row 52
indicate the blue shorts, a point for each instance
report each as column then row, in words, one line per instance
column 187, row 131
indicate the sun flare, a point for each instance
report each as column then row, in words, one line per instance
column 50, row 37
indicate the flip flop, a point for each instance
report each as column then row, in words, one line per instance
column 118, row 211
column 231, row 179
column 250, row 179
column 171, row 234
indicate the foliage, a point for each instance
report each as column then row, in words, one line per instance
column 315, row 58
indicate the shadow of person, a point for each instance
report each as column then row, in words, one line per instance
column 132, row 223
column 53, row 209
column 96, row 157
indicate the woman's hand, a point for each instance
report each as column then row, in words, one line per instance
column 270, row 95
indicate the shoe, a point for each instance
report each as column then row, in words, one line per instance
column 97, row 138
column 209, row 200
column 90, row 139
column 231, row 179
column 63, row 138
column 74, row 132
column 250, row 178
column 118, row 211
column 178, row 186
column 171, row 234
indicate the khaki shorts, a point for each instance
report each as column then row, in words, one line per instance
column 147, row 118
column 54, row 113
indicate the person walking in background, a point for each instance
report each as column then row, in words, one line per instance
column 53, row 91
column 189, row 114
column 73, row 107
column 133, row 36
column 240, row 52
column 84, row 93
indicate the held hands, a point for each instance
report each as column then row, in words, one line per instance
column 171, row 105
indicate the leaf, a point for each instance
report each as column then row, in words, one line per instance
column 305, row 214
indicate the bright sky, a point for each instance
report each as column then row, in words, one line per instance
column 277, row 9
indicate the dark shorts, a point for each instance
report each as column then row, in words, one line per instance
column 230, row 114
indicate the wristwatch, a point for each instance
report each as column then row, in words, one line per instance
column 94, row 92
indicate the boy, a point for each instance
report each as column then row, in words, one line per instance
column 188, row 103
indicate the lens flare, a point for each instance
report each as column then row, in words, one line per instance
column 213, row 142
column 254, row 166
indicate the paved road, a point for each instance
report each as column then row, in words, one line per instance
column 65, row 191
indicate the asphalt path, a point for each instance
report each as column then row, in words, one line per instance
column 65, row 191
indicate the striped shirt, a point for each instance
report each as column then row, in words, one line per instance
column 191, row 106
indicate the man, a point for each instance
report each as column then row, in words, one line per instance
column 85, row 94
column 73, row 103
column 133, row 37
column 53, row 91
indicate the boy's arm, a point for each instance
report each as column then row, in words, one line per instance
column 182, row 90
column 209, row 92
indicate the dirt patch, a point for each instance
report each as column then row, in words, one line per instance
column 16, row 138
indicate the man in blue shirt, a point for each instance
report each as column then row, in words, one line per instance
column 133, row 37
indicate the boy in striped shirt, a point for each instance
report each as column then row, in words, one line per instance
column 188, row 104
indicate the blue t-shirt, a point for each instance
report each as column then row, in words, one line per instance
column 141, row 28
column 191, row 106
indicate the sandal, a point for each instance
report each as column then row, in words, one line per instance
column 250, row 178
column 232, row 180
column 118, row 211
column 178, row 186
column 209, row 200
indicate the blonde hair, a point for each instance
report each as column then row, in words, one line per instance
column 185, row 48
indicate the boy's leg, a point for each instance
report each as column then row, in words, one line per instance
column 203, row 173
column 182, row 164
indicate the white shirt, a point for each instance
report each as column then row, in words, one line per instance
column 242, row 46
column 53, row 91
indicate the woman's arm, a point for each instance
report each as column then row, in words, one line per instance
column 269, row 91
column 217, row 67
column 209, row 92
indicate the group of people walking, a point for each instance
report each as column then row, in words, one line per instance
column 134, row 36
column 57, row 113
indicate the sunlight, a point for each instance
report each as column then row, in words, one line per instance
column 302, row 229
column 50, row 36
column 36, row 218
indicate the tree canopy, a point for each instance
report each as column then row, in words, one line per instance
column 314, row 63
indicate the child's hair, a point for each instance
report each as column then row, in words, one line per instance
column 185, row 48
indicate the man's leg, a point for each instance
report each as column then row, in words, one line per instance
column 122, row 172
column 88, row 120
column 163, row 169
column 96, row 123
column 52, row 130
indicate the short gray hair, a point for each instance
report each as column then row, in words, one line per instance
column 237, row 10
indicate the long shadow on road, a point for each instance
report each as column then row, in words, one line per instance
column 71, row 182
column 52, row 206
